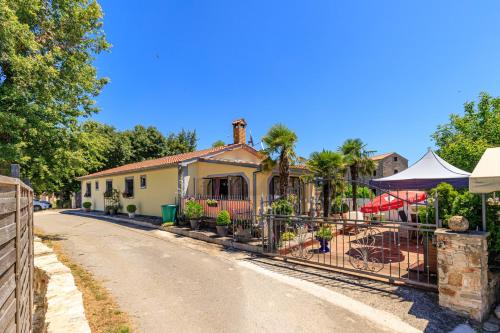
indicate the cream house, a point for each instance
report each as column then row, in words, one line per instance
column 232, row 174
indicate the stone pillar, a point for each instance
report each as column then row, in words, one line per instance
column 463, row 272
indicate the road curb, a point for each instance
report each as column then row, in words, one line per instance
column 199, row 235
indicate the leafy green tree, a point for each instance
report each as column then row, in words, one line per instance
column 358, row 160
column 146, row 143
column 328, row 166
column 47, row 82
column 464, row 139
column 182, row 142
column 218, row 143
column 116, row 145
column 280, row 144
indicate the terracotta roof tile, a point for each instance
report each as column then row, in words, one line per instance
column 160, row 162
column 380, row 157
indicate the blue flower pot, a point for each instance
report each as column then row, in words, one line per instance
column 324, row 245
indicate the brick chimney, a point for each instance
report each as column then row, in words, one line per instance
column 239, row 131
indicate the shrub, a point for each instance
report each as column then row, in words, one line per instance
column 193, row 210
column 87, row 205
column 288, row 236
column 363, row 192
column 324, row 233
column 223, row 218
column 131, row 208
column 339, row 207
column 282, row 207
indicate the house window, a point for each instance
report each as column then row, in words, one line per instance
column 88, row 190
column 395, row 158
column 294, row 187
column 231, row 187
column 375, row 173
column 396, row 171
column 143, row 181
column 96, row 185
column 109, row 186
column 129, row 187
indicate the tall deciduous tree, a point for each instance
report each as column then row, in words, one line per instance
column 182, row 142
column 47, row 82
column 328, row 167
column 146, row 143
column 357, row 158
column 280, row 144
column 464, row 139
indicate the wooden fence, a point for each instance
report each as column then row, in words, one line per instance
column 16, row 256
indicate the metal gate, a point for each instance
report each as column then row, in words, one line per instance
column 394, row 245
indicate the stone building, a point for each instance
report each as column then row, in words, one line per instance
column 387, row 164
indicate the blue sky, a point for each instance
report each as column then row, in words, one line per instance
column 386, row 71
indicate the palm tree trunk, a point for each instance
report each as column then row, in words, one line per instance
column 354, row 178
column 326, row 199
column 284, row 175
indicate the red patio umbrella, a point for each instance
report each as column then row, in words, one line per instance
column 393, row 200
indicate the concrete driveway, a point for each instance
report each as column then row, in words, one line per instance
column 171, row 284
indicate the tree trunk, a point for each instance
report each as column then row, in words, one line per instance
column 354, row 178
column 326, row 199
column 284, row 175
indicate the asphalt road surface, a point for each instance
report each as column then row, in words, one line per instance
column 171, row 284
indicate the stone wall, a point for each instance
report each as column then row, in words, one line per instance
column 463, row 278
column 387, row 165
column 60, row 302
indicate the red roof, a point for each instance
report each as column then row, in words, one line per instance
column 164, row 161
column 380, row 157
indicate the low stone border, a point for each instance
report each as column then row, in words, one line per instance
column 205, row 236
column 63, row 301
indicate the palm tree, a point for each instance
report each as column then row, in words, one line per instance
column 328, row 166
column 357, row 158
column 280, row 149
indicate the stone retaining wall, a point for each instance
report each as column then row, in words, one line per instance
column 59, row 301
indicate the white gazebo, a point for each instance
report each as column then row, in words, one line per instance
column 428, row 172
column 486, row 176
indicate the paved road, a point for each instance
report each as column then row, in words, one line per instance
column 171, row 284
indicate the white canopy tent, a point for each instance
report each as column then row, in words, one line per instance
column 426, row 173
column 486, row 176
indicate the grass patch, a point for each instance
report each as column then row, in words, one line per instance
column 101, row 310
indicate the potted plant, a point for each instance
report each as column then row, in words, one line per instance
column 87, row 205
column 324, row 235
column 222, row 222
column 212, row 203
column 193, row 212
column 108, row 210
column 131, row 210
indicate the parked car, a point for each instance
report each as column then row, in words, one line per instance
column 41, row 205
column 48, row 203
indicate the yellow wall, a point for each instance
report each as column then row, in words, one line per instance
column 161, row 189
column 239, row 155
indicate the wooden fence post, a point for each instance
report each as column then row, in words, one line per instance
column 18, row 258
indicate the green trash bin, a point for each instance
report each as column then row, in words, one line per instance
column 168, row 213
